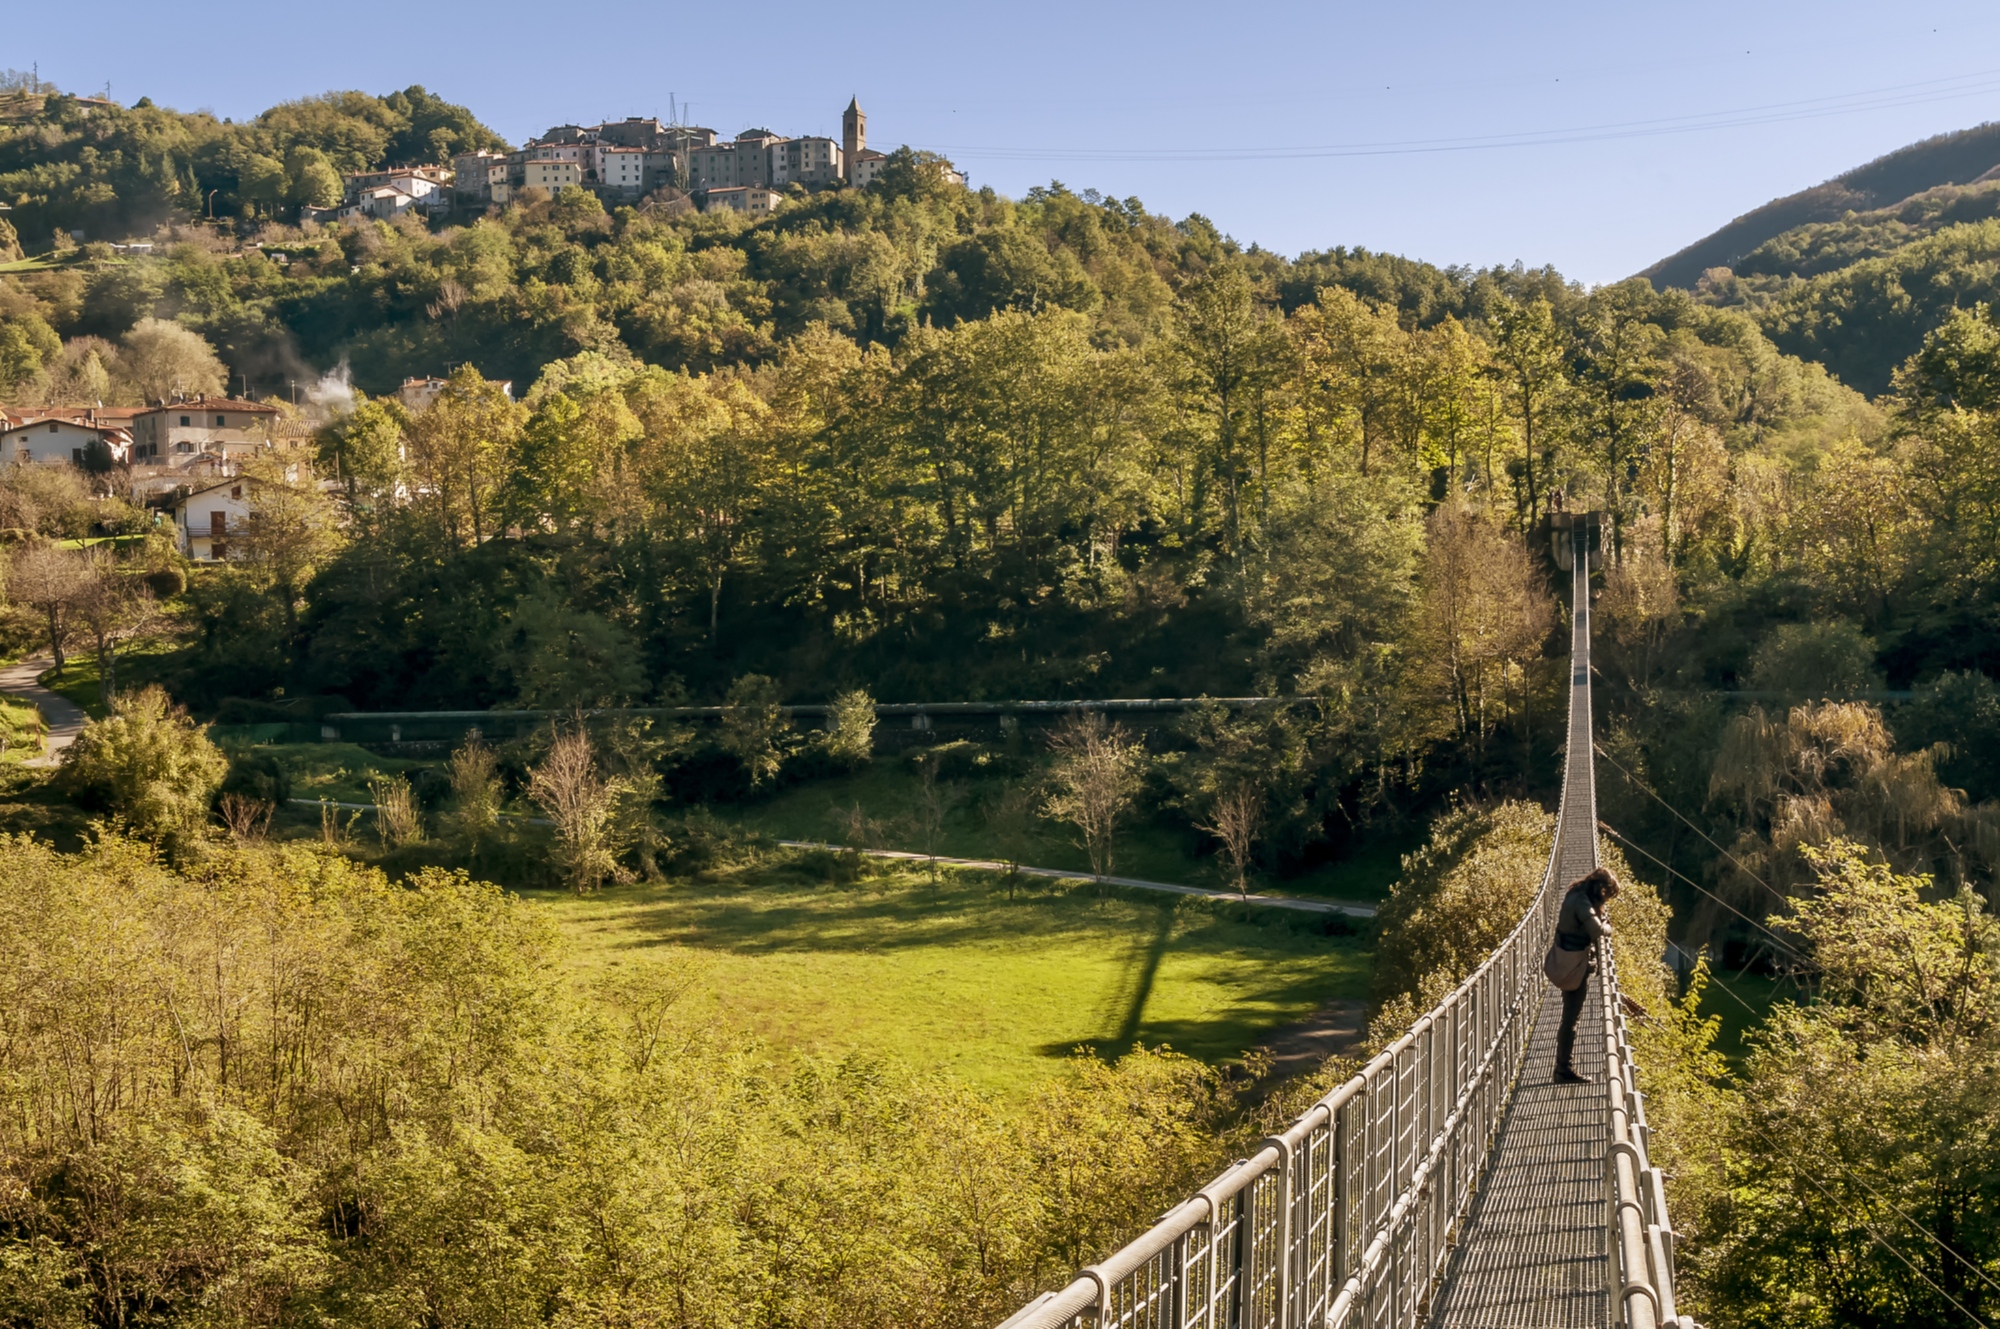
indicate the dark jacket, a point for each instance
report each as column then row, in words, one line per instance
column 1579, row 924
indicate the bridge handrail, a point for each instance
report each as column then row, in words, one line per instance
column 1367, row 1131
column 1641, row 1264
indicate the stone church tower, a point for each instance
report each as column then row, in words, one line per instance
column 853, row 137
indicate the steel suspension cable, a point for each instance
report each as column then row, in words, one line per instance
column 1608, row 829
column 1655, row 796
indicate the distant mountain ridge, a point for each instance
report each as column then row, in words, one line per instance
column 1948, row 159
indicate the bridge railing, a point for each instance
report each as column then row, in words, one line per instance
column 1641, row 1248
column 1345, row 1218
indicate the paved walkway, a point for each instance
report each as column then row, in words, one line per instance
column 988, row 865
column 62, row 717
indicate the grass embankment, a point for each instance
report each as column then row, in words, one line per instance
column 954, row 975
column 888, row 793
column 959, row 976
column 138, row 665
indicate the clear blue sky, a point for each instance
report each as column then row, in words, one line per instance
column 1595, row 137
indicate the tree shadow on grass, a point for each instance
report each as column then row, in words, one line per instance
column 1258, row 1000
column 767, row 918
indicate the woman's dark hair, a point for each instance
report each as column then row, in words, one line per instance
column 1595, row 882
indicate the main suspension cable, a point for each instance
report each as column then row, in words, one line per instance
column 1655, row 796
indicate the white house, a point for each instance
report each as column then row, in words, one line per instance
column 206, row 518
column 54, row 440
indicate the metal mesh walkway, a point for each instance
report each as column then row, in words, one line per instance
column 1533, row 1251
column 1531, row 1254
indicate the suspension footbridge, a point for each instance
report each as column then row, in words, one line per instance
column 1452, row 1182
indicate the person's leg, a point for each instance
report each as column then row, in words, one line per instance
column 1566, row 1031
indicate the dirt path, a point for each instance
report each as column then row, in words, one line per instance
column 987, row 865
column 63, row 717
column 1336, row 1029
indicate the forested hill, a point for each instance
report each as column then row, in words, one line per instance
column 1948, row 159
column 112, row 172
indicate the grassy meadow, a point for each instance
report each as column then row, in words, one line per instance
column 958, row 975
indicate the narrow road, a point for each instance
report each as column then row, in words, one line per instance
column 63, row 717
column 988, row 865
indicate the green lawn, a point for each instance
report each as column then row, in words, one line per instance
column 960, row 977
column 887, row 792
column 1743, row 1001
column 138, row 665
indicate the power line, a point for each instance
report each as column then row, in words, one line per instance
column 1885, row 98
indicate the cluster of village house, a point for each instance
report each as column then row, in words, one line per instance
column 625, row 160
column 184, row 458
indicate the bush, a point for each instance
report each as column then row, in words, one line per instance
column 166, row 583
column 1459, row 897
column 850, row 728
column 151, row 765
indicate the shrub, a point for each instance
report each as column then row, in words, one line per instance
column 166, row 583
column 755, row 726
column 1459, row 897
column 151, row 765
column 850, row 728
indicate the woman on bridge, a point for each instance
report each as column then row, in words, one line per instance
column 1579, row 928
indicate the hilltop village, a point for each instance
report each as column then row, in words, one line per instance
column 626, row 161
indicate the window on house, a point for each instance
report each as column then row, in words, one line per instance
column 218, row 422
column 186, row 421
column 52, row 426
column 76, row 455
column 236, row 491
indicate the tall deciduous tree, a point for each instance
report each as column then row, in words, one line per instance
column 49, row 580
column 458, row 451
column 1224, row 353
column 163, row 360
column 1529, row 356
column 1485, row 615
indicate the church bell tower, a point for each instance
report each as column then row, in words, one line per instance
column 853, row 137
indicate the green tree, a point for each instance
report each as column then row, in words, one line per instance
column 310, row 179
column 27, row 343
column 364, row 448
column 850, row 727
column 163, row 360
column 1529, row 355
column 755, row 726
column 458, row 449
column 1857, row 1154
